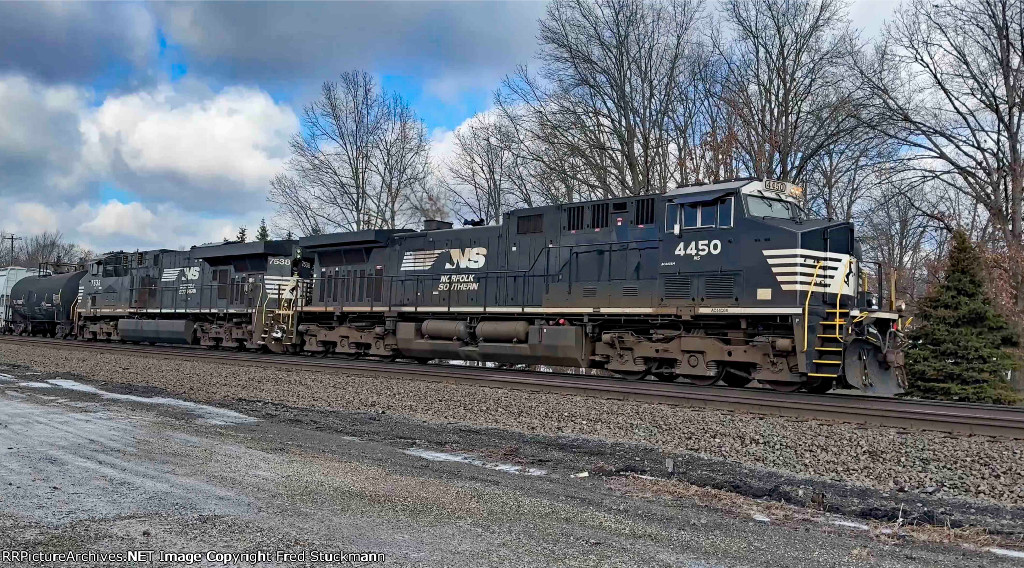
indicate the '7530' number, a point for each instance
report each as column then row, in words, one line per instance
column 697, row 249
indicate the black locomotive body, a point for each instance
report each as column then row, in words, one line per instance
column 721, row 282
column 718, row 282
column 210, row 295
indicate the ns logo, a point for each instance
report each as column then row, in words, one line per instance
column 473, row 257
column 467, row 258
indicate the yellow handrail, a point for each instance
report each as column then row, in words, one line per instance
column 807, row 302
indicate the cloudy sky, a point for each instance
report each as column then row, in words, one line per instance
column 131, row 125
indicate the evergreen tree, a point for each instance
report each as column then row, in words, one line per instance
column 262, row 234
column 240, row 237
column 956, row 348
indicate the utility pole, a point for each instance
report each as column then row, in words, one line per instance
column 11, row 238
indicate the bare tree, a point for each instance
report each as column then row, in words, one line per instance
column 704, row 130
column 788, row 83
column 360, row 154
column 601, row 103
column 49, row 247
column 400, row 162
column 843, row 174
column 948, row 85
column 896, row 235
column 477, row 175
column 297, row 209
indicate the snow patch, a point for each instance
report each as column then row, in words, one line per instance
column 852, row 525
column 4, row 377
column 466, row 458
column 208, row 414
column 36, row 385
column 1007, row 552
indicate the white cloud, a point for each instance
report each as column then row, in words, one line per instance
column 228, row 141
column 442, row 140
column 32, row 218
column 115, row 225
column 39, row 133
column 124, row 219
column 191, row 164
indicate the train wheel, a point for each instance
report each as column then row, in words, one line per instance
column 822, row 386
column 783, row 386
column 633, row 375
column 666, row 377
column 701, row 380
column 736, row 381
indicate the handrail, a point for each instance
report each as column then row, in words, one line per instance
column 839, row 294
column 807, row 302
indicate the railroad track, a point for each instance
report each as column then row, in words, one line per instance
column 906, row 413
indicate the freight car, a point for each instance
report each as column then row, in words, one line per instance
column 725, row 282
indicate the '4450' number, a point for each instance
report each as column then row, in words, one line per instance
column 697, row 249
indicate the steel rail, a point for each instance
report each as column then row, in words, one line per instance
column 941, row 416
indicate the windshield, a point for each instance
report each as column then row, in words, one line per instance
column 764, row 207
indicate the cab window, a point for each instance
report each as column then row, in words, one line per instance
column 702, row 215
column 775, row 208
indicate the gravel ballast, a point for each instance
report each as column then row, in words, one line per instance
column 881, row 457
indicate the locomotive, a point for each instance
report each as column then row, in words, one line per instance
column 727, row 282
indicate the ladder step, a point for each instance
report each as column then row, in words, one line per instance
column 829, row 348
column 830, row 336
column 837, row 310
column 828, row 362
column 821, row 375
column 836, row 322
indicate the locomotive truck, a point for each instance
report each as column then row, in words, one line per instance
column 727, row 282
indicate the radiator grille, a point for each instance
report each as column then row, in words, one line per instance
column 589, row 291
column 677, row 287
column 630, row 291
column 719, row 286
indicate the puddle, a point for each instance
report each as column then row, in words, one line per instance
column 466, row 458
column 208, row 414
column 1007, row 552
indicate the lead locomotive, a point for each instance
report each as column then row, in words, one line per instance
column 724, row 282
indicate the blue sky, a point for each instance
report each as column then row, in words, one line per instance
column 134, row 125
column 142, row 125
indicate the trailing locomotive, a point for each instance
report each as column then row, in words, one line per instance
column 724, row 282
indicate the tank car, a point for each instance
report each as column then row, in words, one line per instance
column 725, row 282
column 44, row 304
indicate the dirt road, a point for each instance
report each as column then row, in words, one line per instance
column 94, row 469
